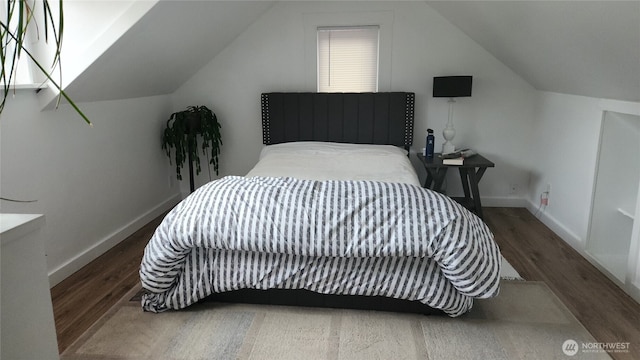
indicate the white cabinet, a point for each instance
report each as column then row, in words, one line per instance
column 27, row 325
column 613, row 234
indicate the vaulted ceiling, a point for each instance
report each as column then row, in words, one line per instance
column 165, row 48
column 589, row 48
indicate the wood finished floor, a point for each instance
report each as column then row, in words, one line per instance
column 533, row 250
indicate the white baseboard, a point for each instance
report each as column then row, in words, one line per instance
column 580, row 246
column 634, row 291
column 100, row 247
column 558, row 228
column 503, row 201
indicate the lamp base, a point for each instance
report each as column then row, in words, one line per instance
column 449, row 131
column 448, row 147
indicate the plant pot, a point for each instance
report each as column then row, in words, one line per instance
column 194, row 123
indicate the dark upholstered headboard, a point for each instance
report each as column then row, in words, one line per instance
column 360, row 118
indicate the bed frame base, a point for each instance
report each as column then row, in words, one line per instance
column 301, row 297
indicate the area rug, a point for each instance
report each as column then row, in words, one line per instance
column 508, row 272
column 526, row 321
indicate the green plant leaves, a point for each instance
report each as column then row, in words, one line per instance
column 13, row 45
column 182, row 132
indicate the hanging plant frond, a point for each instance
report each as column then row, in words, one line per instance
column 182, row 132
column 19, row 18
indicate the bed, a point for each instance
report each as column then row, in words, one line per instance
column 331, row 215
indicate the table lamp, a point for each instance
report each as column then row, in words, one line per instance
column 451, row 87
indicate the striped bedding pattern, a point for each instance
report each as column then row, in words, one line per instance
column 332, row 237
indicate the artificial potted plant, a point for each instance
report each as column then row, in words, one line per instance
column 182, row 133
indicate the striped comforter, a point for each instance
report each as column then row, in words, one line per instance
column 333, row 237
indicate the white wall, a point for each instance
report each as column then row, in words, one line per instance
column 564, row 149
column 271, row 56
column 95, row 185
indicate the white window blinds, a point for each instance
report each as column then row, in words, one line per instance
column 348, row 59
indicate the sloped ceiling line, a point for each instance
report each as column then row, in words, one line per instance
column 589, row 48
column 165, row 48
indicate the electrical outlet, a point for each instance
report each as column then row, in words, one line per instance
column 513, row 188
column 544, row 197
column 548, row 193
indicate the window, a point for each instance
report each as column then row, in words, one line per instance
column 348, row 59
column 21, row 70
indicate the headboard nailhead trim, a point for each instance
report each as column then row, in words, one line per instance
column 409, row 116
column 266, row 136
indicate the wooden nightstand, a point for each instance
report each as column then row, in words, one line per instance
column 470, row 174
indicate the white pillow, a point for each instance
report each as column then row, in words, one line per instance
column 331, row 148
column 336, row 161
